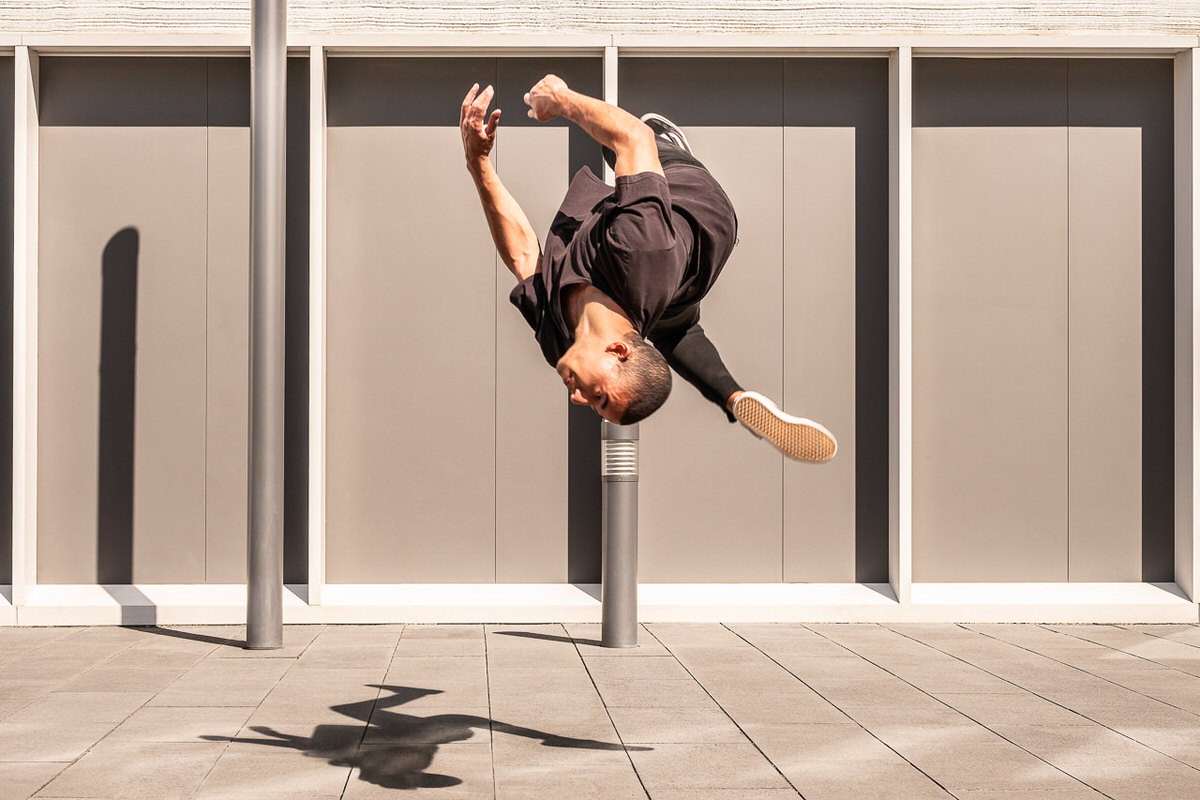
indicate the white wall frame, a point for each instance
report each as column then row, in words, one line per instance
column 1187, row 301
column 900, row 323
column 25, row 323
column 316, row 325
column 897, row 601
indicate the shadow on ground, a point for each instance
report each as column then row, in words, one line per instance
column 395, row 750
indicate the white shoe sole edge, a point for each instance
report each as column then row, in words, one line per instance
column 797, row 438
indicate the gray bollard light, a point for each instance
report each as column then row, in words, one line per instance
column 618, row 570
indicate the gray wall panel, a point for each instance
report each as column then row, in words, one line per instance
column 711, row 502
column 1105, row 354
column 819, row 347
column 989, row 354
column 411, row 330
column 228, row 321
column 121, row 331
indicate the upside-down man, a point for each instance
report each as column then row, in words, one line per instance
column 624, row 265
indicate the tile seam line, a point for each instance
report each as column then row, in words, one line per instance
column 607, row 713
column 374, row 703
column 840, row 710
column 1128, row 626
column 968, row 716
column 487, row 675
column 726, row 713
column 1124, row 653
column 1030, row 691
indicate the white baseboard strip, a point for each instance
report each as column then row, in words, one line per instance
column 225, row 604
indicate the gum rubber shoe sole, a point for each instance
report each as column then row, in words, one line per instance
column 795, row 437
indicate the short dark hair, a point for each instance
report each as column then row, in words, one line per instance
column 645, row 380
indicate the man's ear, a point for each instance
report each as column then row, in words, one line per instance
column 619, row 349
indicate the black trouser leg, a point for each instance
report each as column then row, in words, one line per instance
column 690, row 353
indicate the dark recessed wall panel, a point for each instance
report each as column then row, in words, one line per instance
column 6, row 318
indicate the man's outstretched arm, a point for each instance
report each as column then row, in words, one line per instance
column 613, row 127
column 515, row 240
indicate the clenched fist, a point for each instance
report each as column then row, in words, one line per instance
column 544, row 98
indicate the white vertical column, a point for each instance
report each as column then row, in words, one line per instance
column 316, row 323
column 900, row 315
column 610, row 95
column 1187, row 301
column 25, row 324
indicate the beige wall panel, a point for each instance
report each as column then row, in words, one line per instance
column 711, row 495
column 819, row 347
column 990, row 354
column 411, row 361
column 531, row 404
column 1106, row 354
column 228, row 365
column 95, row 182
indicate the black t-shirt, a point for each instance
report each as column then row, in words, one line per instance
column 654, row 245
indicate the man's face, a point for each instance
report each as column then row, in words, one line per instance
column 590, row 375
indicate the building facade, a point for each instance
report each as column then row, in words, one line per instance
column 966, row 245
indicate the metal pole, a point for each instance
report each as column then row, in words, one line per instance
column 268, row 77
column 618, row 588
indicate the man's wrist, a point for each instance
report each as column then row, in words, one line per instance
column 479, row 166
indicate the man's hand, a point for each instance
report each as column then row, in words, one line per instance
column 478, row 137
column 543, row 99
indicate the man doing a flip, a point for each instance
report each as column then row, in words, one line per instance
column 625, row 263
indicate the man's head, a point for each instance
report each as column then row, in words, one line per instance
column 625, row 380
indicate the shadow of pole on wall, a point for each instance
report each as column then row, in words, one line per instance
column 118, row 375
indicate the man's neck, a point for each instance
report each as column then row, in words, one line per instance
column 590, row 312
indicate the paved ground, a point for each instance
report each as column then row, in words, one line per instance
column 743, row 712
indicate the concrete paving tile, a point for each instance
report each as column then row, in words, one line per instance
column 296, row 639
column 656, row 694
column 426, row 647
column 1187, row 634
column 219, row 682
column 48, row 740
column 749, row 707
column 105, row 633
column 448, row 631
column 528, row 781
column 1079, row 793
column 20, row 781
column 876, row 780
column 550, row 705
column 889, row 693
column 587, row 638
column 174, row 724
column 725, row 794
column 248, row 770
column 119, row 770
column 343, row 635
column 694, row 634
column 124, row 679
column 1004, row 709
column 462, row 770
column 346, row 656
column 814, row 742
column 17, row 693
column 433, row 727
column 1168, row 781
column 1077, row 744
column 675, row 725
column 511, row 750
column 635, row 668
column 161, row 657
column 589, row 725
column 510, row 680
column 71, row 708
column 434, row 667
column 702, row 766
column 991, row 765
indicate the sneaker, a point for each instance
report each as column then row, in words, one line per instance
column 667, row 130
column 795, row 437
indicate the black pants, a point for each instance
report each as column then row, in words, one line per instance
column 689, row 352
